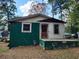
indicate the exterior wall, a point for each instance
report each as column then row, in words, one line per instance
column 51, row 34
column 61, row 31
column 51, row 31
column 18, row 38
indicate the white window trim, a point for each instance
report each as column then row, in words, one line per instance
column 26, row 31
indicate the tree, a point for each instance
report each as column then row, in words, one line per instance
column 74, row 18
column 7, row 8
column 57, row 7
column 37, row 7
column 71, row 8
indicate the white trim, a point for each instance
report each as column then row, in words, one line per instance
column 26, row 31
column 40, row 30
column 60, row 39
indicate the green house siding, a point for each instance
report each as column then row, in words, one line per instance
column 18, row 38
column 58, row 44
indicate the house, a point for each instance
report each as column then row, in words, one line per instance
column 37, row 29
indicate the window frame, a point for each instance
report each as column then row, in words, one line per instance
column 24, row 30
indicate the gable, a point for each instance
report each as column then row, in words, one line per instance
column 53, row 20
column 35, row 19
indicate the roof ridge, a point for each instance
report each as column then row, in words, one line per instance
column 31, row 16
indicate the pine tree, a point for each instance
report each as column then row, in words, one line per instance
column 7, row 8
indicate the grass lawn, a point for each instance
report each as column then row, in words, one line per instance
column 3, row 50
column 3, row 47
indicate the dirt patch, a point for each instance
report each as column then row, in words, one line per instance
column 36, row 52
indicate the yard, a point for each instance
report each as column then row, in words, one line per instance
column 35, row 52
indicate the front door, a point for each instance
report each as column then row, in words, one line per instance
column 44, row 31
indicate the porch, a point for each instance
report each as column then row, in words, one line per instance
column 58, row 43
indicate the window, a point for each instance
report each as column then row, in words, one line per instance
column 56, row 29
column 26, row 27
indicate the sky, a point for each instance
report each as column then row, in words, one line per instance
column 18, row 4
column 24, row 5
